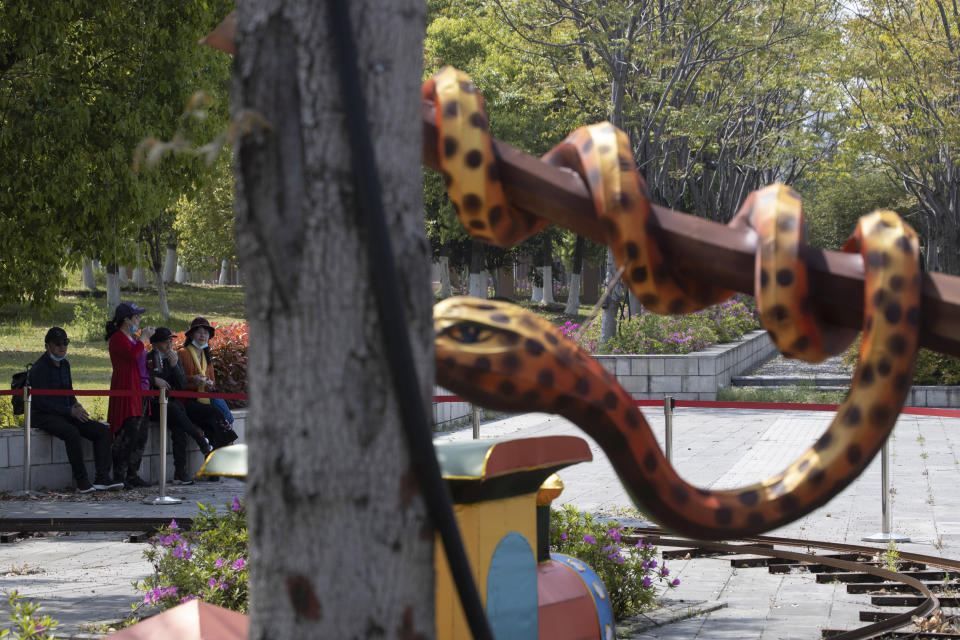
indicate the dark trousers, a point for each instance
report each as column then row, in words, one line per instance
column 209, row 418
column 180, row 427
column 128, row 445
column 70, row 430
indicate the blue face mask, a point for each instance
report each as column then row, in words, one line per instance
column 57, row 359
column 134, row 328
column 198, row 345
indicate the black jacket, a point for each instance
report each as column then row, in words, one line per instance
column 159, row 367
column 44, row 374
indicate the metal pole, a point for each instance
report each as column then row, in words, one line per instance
column 163, row 498
column 476, row 422
column 27, row 402
column 668, row 426
column 885, row 535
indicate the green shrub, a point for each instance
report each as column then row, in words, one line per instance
column 208, row 563
column 932, row 368
column 26, row 624
column 88, row 323
column 629, row 571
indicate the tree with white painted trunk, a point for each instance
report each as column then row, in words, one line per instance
column 170, row 263
column 340, row 543
column 477, row 284
column 113, row 287
column 89, row 282
column 573, row 300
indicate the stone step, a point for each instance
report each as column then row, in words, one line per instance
column 790, row 381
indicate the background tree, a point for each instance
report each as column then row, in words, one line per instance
column 901, row 79
column 327, row 458
column 80, row 85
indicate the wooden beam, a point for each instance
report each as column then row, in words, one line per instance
column 703, row 250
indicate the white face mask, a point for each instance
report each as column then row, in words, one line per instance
column 199, row 345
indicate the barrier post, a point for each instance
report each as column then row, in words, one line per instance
column 27, row 482
column 163, row 498
column 885, row 535
column 668, row 404
column 476, row 422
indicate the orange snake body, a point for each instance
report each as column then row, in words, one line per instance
column 503, row 357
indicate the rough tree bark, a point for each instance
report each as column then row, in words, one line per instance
column 444, row 276
column 340, row 544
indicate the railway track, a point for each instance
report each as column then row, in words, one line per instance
column 921, row 583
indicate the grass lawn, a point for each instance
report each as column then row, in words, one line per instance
column 83, row 316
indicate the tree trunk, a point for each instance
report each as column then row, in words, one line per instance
column 546, row 269
column 181, row 276
column 113, row 287
column 505, row 287
column 340, row 544
column 224, row 268
column 89, row 282
column 122, row 275
column 170, row 264
column 608, row 321
column 478, row 277
column 444, row 276
column 573, row 300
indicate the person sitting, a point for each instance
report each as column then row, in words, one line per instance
column 128, row 415
column 166, row 372
column 65, row 418
column 195, row 356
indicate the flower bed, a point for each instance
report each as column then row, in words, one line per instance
column 649, row 333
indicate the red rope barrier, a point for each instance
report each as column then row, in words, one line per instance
column 203, row 394
column 123, row 393
column 11, row 392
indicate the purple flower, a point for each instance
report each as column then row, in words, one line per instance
column 219, row 563
column 675, row 583
column 237, row 506
column 239, row 563
column 212, row 582
column 647, row 581
column 173, row 524
column 188, row 598
column 563, row 536
column 181, row 552
column 589, row 539
column 615, row 534
column 664, row 571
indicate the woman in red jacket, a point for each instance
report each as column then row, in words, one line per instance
column 127, row 415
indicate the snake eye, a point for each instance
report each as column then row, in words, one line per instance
column 468, row 332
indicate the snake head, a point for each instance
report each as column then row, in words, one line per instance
column 501, row 356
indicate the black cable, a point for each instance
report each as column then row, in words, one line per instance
column 393, row 323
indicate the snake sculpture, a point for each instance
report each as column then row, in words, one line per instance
column 501, row 356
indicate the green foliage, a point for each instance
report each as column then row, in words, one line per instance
column 87, row 323
column 936, row 369
column 834, row 202
column 81, row 84
column 204, row 223
column 26, row 623
column 208, row 563
column 629, row 571
column 932, row 368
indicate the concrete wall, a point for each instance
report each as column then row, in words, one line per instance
column 48, row 457
column 941, row 397
column 693, row 376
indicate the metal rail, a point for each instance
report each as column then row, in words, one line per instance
column 761, row 547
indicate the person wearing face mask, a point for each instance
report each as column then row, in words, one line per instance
column 166, row 372
column 195, row 356
column 65, row 418
column 128, row 415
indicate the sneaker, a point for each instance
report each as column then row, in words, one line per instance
column 85, row 487
column 106, row 485
column 182, row 477
column 135, row 481
column 205, row 447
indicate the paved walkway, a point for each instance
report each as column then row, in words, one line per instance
column 729, row 448
column 88, row 577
